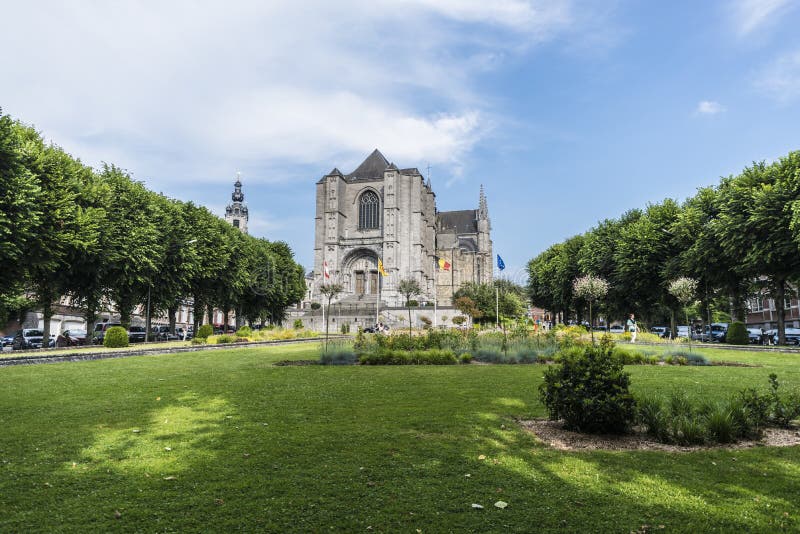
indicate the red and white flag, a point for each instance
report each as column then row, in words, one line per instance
column 325, row 269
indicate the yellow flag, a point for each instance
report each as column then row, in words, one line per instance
column 380, row 268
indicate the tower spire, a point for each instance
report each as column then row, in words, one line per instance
column 483, row 208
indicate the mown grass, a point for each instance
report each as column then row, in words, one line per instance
column 310, row 448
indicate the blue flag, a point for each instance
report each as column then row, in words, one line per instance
column 500, row 263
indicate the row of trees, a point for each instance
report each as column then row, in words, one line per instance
column 737, row 239
column 483, row 302
column 100, row 237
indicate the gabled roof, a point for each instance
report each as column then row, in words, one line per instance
column 459, row 222
column 371, row 168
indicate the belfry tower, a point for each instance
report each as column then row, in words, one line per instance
column 236, row 211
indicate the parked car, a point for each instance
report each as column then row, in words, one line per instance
column 617, row 329
column 71, row 338
column 99, row 332
column 792, row 336
column 716, row 333
column 7, row 340
column 189, row 333
column 28, row 338
column 162, row 333
column 661, row 331
column 137, row 334
column 683, row 331
column 755, row 335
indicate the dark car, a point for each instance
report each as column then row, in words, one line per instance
column 28, row 338
column 792, row 336
column 7, row 340
column 137, row 334
column 717, row 333
column 661, row 331
column 162, row 333
column 71, row 338
column 755, row 336
column 99, row 333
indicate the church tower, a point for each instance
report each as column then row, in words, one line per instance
column 236, row 211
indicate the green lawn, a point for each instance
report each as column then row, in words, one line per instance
column 225, row 440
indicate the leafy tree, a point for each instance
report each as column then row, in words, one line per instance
column 684, row 289
column 756, row 218
column 331, row 291
column 590, row 288
column 409, row 288
column 20, row 215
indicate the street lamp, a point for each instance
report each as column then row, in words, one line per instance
column 147, row 312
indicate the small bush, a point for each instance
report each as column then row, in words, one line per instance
column 688, row 431
column 244, row 331
column 652, row 415
column 345, row 328
column 412, row 303
column 204, row 331
column 465, row 358
column 115, row 337
column 298, row 324
column 426, row 321
column 589, row 392
column 224, row 338
column 198, row 341
column 315, row 305
column 737, row 334
column 722, row 424
column 459, row 320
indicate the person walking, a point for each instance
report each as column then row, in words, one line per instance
column 632, row 328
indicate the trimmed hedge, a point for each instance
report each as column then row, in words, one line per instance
column 115, row 337
column 204, row 331
column 415, row 357
column 737, row 334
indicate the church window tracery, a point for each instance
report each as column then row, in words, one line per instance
column 368, row 211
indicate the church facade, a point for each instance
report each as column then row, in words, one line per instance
column 382, row 212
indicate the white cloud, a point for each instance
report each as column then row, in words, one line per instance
column 708, row 107
column 180, row 91
column 750, row 15
column 781, row 78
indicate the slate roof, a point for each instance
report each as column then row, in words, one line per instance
column 460, row 222
column 371, row 168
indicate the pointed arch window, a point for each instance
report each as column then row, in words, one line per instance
column 368, row 211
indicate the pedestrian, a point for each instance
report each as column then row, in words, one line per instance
column 632, row 328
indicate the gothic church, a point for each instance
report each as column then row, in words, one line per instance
column 379, row 211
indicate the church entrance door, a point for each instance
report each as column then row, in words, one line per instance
column 373, row 283
column 360, row 282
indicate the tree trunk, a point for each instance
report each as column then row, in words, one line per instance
column 225, row 317
column 47, row 315
column 91, row 319
column 409, row 318
column 210, row 312
column 197, row 320
column 738, row 307
column 780, row 294
column 672, row 329
column 172, row 312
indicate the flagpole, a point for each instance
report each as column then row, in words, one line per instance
column 435, row 271
column 378, row 298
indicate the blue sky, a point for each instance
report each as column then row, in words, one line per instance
column 568, row 112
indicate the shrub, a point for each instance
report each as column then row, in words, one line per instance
column 412, row 303
column 244, row 331
column 198, row 341
column 224, row 338
column 298, row 324
column 315, row 305
column 651, row 415
column 737, row 334
column 426, row 321
column 465, row 358
column 784, row 411
column 337, row 354
column 589, row 392
column 688, row 431
column 204, row 331
column 345, row 328
column 115, row 337
column 628, row 356
column 459, row 320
